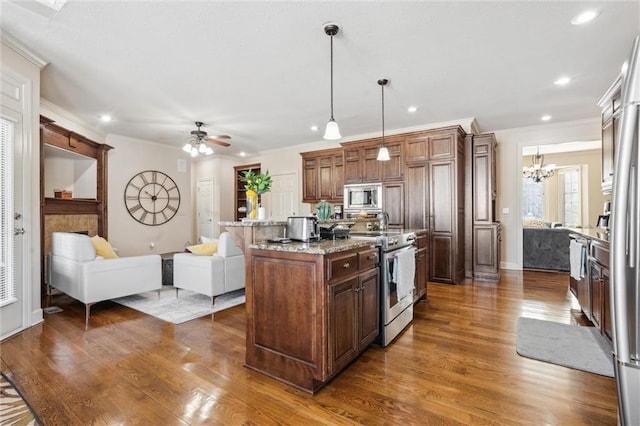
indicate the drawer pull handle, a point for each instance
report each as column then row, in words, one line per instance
column 372, row 257
column 346, row 265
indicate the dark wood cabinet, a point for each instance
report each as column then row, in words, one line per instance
column 323, row 175
column 422, row 266
column 417, row 199
column 595, row 282
column 393, row 200
column 240, row 198
column 610, row 104
column 598, row 267
column 486, row 251
column 310, row 315
column 484, row 233
column 607, row 320
column 361, row 161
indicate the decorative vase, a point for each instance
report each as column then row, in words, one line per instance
column 252, row 204
column 323, row 209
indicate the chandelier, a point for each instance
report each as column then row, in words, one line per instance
column 537, row 171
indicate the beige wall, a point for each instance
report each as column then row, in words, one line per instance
column 592, row 197
column 509, row 174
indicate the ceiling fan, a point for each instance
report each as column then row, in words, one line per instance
column 197, row 144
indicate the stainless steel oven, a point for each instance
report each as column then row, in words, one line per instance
column 397, row 272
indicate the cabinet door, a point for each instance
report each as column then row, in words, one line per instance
column 369, row 308
column 352, row 168
column 393, row 170
column 416, row 202
column 595, row 282
column 393, row 202
column 443, row 214
column 442, row 147
column 343, row 323
column 607, row 328
column 370, row 164
column 486, row 251
column 416, row 149
column 325, row 177
column 421, row 273
column 309, row 179
column 338, row 177
column 608, row 136
column 482, row 182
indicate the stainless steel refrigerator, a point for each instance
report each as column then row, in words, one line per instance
column 625, row 247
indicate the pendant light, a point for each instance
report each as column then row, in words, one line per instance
column 332, row 132
column 383, row 152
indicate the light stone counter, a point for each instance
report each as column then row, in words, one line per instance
column 313, row 247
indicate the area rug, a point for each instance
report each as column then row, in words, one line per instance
column 187, row 306
column 580, row 348
column 14, row 410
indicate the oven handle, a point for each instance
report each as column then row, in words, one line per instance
column 395, row 252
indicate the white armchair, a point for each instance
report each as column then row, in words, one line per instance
column 211, row 275
column 75, row 269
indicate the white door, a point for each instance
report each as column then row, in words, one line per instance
column 283, row 199
column 205, row 209
column 12, row 318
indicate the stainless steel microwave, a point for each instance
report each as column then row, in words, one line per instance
column 363, row 196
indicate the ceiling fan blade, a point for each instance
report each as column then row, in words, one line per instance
column 219, row 137
column 217, row 142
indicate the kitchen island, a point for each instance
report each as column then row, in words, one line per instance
column 312, row 308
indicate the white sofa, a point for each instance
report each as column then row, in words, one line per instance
column 212, row 275
column 75, row 270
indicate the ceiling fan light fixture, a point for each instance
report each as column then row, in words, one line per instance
column 187, row 148
column 202, row 148
column 332, row 131
column 208, row 151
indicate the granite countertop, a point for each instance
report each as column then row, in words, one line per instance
column 591, row 233
column 313, row 247
column 270, row 222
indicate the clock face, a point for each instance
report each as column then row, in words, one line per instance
column 152, row 198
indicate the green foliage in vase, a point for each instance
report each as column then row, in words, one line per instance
column 259, row 183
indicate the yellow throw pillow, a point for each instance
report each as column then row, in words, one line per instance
column 206, row 249
column 103, row 248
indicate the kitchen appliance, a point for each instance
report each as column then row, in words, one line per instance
column 365, row 197
column 603, row 222
column 383, row 221
column 337, row 211
column 302, row 228
column 397, row 272
column 625, row 247
column 335, row 231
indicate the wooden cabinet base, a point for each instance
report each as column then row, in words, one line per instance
column 296, row 304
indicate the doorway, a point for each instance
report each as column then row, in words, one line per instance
column 283, row 199
column 12, row 294
column 208, row 211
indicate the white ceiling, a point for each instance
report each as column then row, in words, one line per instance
column 259, row 71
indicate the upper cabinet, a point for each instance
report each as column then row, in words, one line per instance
column 361, row 163
column 322, row 175
column 610, row 104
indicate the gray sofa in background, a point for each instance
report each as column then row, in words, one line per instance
column 545, row 248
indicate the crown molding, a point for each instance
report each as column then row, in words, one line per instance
column 12, row 42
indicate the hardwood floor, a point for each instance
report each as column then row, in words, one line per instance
column 456, row 364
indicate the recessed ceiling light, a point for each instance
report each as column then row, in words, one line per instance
column 562, row 81
column 105, row 118
column 314, row 128
column 545, row 118
column 584, row 17
column 412, row 109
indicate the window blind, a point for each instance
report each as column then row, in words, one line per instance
column 7, row 240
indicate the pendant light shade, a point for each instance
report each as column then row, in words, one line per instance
column 383, row 152
column 332, row 132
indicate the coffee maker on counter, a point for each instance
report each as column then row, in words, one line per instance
column 603, row 219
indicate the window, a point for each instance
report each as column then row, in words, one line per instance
column 7, row 264
column 569, row 204
column 532, row 199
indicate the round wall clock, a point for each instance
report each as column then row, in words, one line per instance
column 152, row 198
